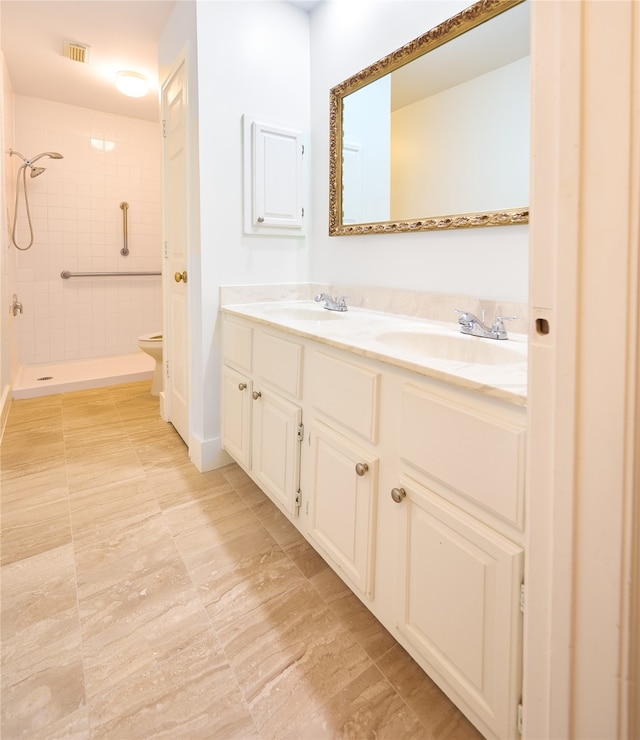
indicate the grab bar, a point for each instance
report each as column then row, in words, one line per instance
column 125, row 230
column 65, row 274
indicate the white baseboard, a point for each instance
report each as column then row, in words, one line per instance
column 207, row 454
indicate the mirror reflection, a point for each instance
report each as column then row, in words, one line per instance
column 439, row 139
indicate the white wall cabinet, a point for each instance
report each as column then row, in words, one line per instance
column 274, row 178
column 442, row 565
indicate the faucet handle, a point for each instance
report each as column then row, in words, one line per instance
column 498, row 326
column 499, row 319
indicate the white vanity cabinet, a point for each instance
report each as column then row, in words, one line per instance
column 411, row 488
column 261, row 412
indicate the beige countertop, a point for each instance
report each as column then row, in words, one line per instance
column 435, row 349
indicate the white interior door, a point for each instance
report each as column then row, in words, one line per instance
column 176, row 331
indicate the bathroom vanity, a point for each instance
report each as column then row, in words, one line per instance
column 396, row 446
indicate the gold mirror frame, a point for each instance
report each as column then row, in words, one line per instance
column 455, row 26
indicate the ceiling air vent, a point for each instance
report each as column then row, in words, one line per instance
column 76, row 52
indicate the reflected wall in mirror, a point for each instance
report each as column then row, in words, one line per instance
column 436, row 135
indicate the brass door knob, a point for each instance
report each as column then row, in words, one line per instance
column 361, row 468
column 241, row 386
column 180, row 276
column 256, row 395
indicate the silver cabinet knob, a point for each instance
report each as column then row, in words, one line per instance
column 260, row 219
column 241, row 386
column 256, row 395
column 361, row 468
column 397, row 494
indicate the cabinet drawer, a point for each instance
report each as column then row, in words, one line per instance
column 347, row 393
column 279, row 362
column 477, row 450
column 236, row 344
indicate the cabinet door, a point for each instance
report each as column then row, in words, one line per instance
column 460, row 604
column 343, row 508
column 236, row 415
column 276, row 448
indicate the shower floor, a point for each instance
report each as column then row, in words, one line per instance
column 60, row 377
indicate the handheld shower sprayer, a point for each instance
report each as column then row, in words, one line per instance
column 34, row 172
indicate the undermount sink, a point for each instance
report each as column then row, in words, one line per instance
column 455, row 347
column 302, row 313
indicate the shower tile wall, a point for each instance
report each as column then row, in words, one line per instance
column 78, row 226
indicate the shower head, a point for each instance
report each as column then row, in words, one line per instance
column 29, row 162
column 53, row 155
column 35, row 171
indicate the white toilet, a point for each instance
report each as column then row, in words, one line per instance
column 152, row 345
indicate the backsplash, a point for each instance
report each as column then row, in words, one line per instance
column 434, row 306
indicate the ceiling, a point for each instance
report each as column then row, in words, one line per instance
column 121, row 34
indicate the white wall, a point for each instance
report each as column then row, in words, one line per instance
column 252, row 57
column 490, row 263
column 78, row 226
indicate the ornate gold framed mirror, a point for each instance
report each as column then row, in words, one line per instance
column 435, row 136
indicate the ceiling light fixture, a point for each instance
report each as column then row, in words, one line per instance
column 132, row 84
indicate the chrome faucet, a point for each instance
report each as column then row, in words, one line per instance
column 332, row 304
column 16, row 306
column 470, row 324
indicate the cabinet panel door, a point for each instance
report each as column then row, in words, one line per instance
column 236, row 415
column 460, row 604
column 276, row 449
column 343, row 509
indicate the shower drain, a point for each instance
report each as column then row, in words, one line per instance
column 46, row 377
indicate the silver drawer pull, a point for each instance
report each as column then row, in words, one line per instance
column 397, row 494
column 256, row 395
column 361, row 468
column 241, row 386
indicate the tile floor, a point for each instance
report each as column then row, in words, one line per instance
column 142, row 599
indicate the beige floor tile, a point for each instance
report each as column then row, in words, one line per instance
column 190, row 693
column 366, row 708
column 95, row 512
column 36, row 528
column 242, row 575
column 93, row 471
column 28, row 450
column 37, row 588
column 367, row 630
column 437, row 713
column 128, row 550
column 291, row 655
column 306, row 558
column 184, row 484
column 281, row 529
column 42, row 675
column 128, row 626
